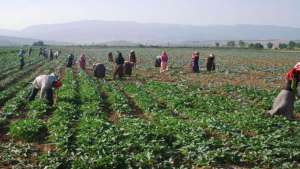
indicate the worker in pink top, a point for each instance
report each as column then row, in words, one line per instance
column 164, row 62
column 82, row 61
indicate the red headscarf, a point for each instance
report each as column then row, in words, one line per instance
column 290, row 74
column 57, row 84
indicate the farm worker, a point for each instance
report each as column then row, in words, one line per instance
column 119, row 66
column 82, row 61
column 56, row 54
column 210, row 63
column 157, row 61
column 45, row 83
column 30, row 51
column 70, row 60
column 45, row 54
column 51, row 54
column 164, row 62
column 132, row 57
column 284, row 102
column 110, row 57
column 99, row 70
column 195, row 62
column 41, row 52
column 128, row 68
column 21, row 55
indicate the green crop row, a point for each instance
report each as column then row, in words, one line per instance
column 264, row 145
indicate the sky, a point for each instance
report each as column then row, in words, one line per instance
column 18, row 14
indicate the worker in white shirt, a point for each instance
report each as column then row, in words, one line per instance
column 45, row 83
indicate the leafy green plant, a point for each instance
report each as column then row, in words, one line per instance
column 28, row 130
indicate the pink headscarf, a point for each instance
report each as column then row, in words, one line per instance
column 164, row 56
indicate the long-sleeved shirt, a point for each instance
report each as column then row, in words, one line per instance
column 44, row 82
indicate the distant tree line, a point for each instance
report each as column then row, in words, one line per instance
column 270, row 45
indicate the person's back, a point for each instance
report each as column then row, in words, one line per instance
column 128, row 68
column 70, row 60
column 99, row 70
column 51, row 54
column 132, row 57
column 210, row 65
column 110, row 57
column 45, row 83
column 120, row 60
column 119, row 68
column 82, row 61
column 21, row 55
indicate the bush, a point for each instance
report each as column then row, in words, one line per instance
column 29, row 130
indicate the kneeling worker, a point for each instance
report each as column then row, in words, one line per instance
column 45, row 83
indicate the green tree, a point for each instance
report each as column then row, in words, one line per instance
column 292, row 44
column 283, row 46
column 231, row 43
column 242, row 44
column 217, row 44
column 259, row 46
column 270, row 45
column 38, row 43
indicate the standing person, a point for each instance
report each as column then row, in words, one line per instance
column 45, row 54
column 70, row 60
column 157, row 61
column 210, row 63
column 164, row 61
column 82, row 61
column 195, row 62
column 30, row 51
column 51, row 56
column 119, row 66
column 56, row 54
column 284, row 102
column 21, row 55
column 132, row 57
column 45, row 83
column 110, row 57
column 99, row 70
column 41, row 52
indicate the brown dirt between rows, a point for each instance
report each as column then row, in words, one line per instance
column 111, row 115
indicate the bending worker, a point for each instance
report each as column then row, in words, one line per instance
column 45, row 83
column 99, row 70
column 284, row 102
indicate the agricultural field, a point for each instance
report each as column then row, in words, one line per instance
column 150, row 120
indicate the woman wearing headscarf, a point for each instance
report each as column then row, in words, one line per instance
column 284, row 102
column 210, row 63
column 164, row 61
column 82, row 61
column 110, row 57
column 195, row 62
column 132, row 57
column 119, row 66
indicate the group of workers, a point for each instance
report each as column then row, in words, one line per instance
column 283, row 103
column 162, row 62
column 49, row 53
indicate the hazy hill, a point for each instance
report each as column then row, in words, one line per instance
column 103, row 31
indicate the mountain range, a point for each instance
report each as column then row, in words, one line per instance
column 92, row 31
